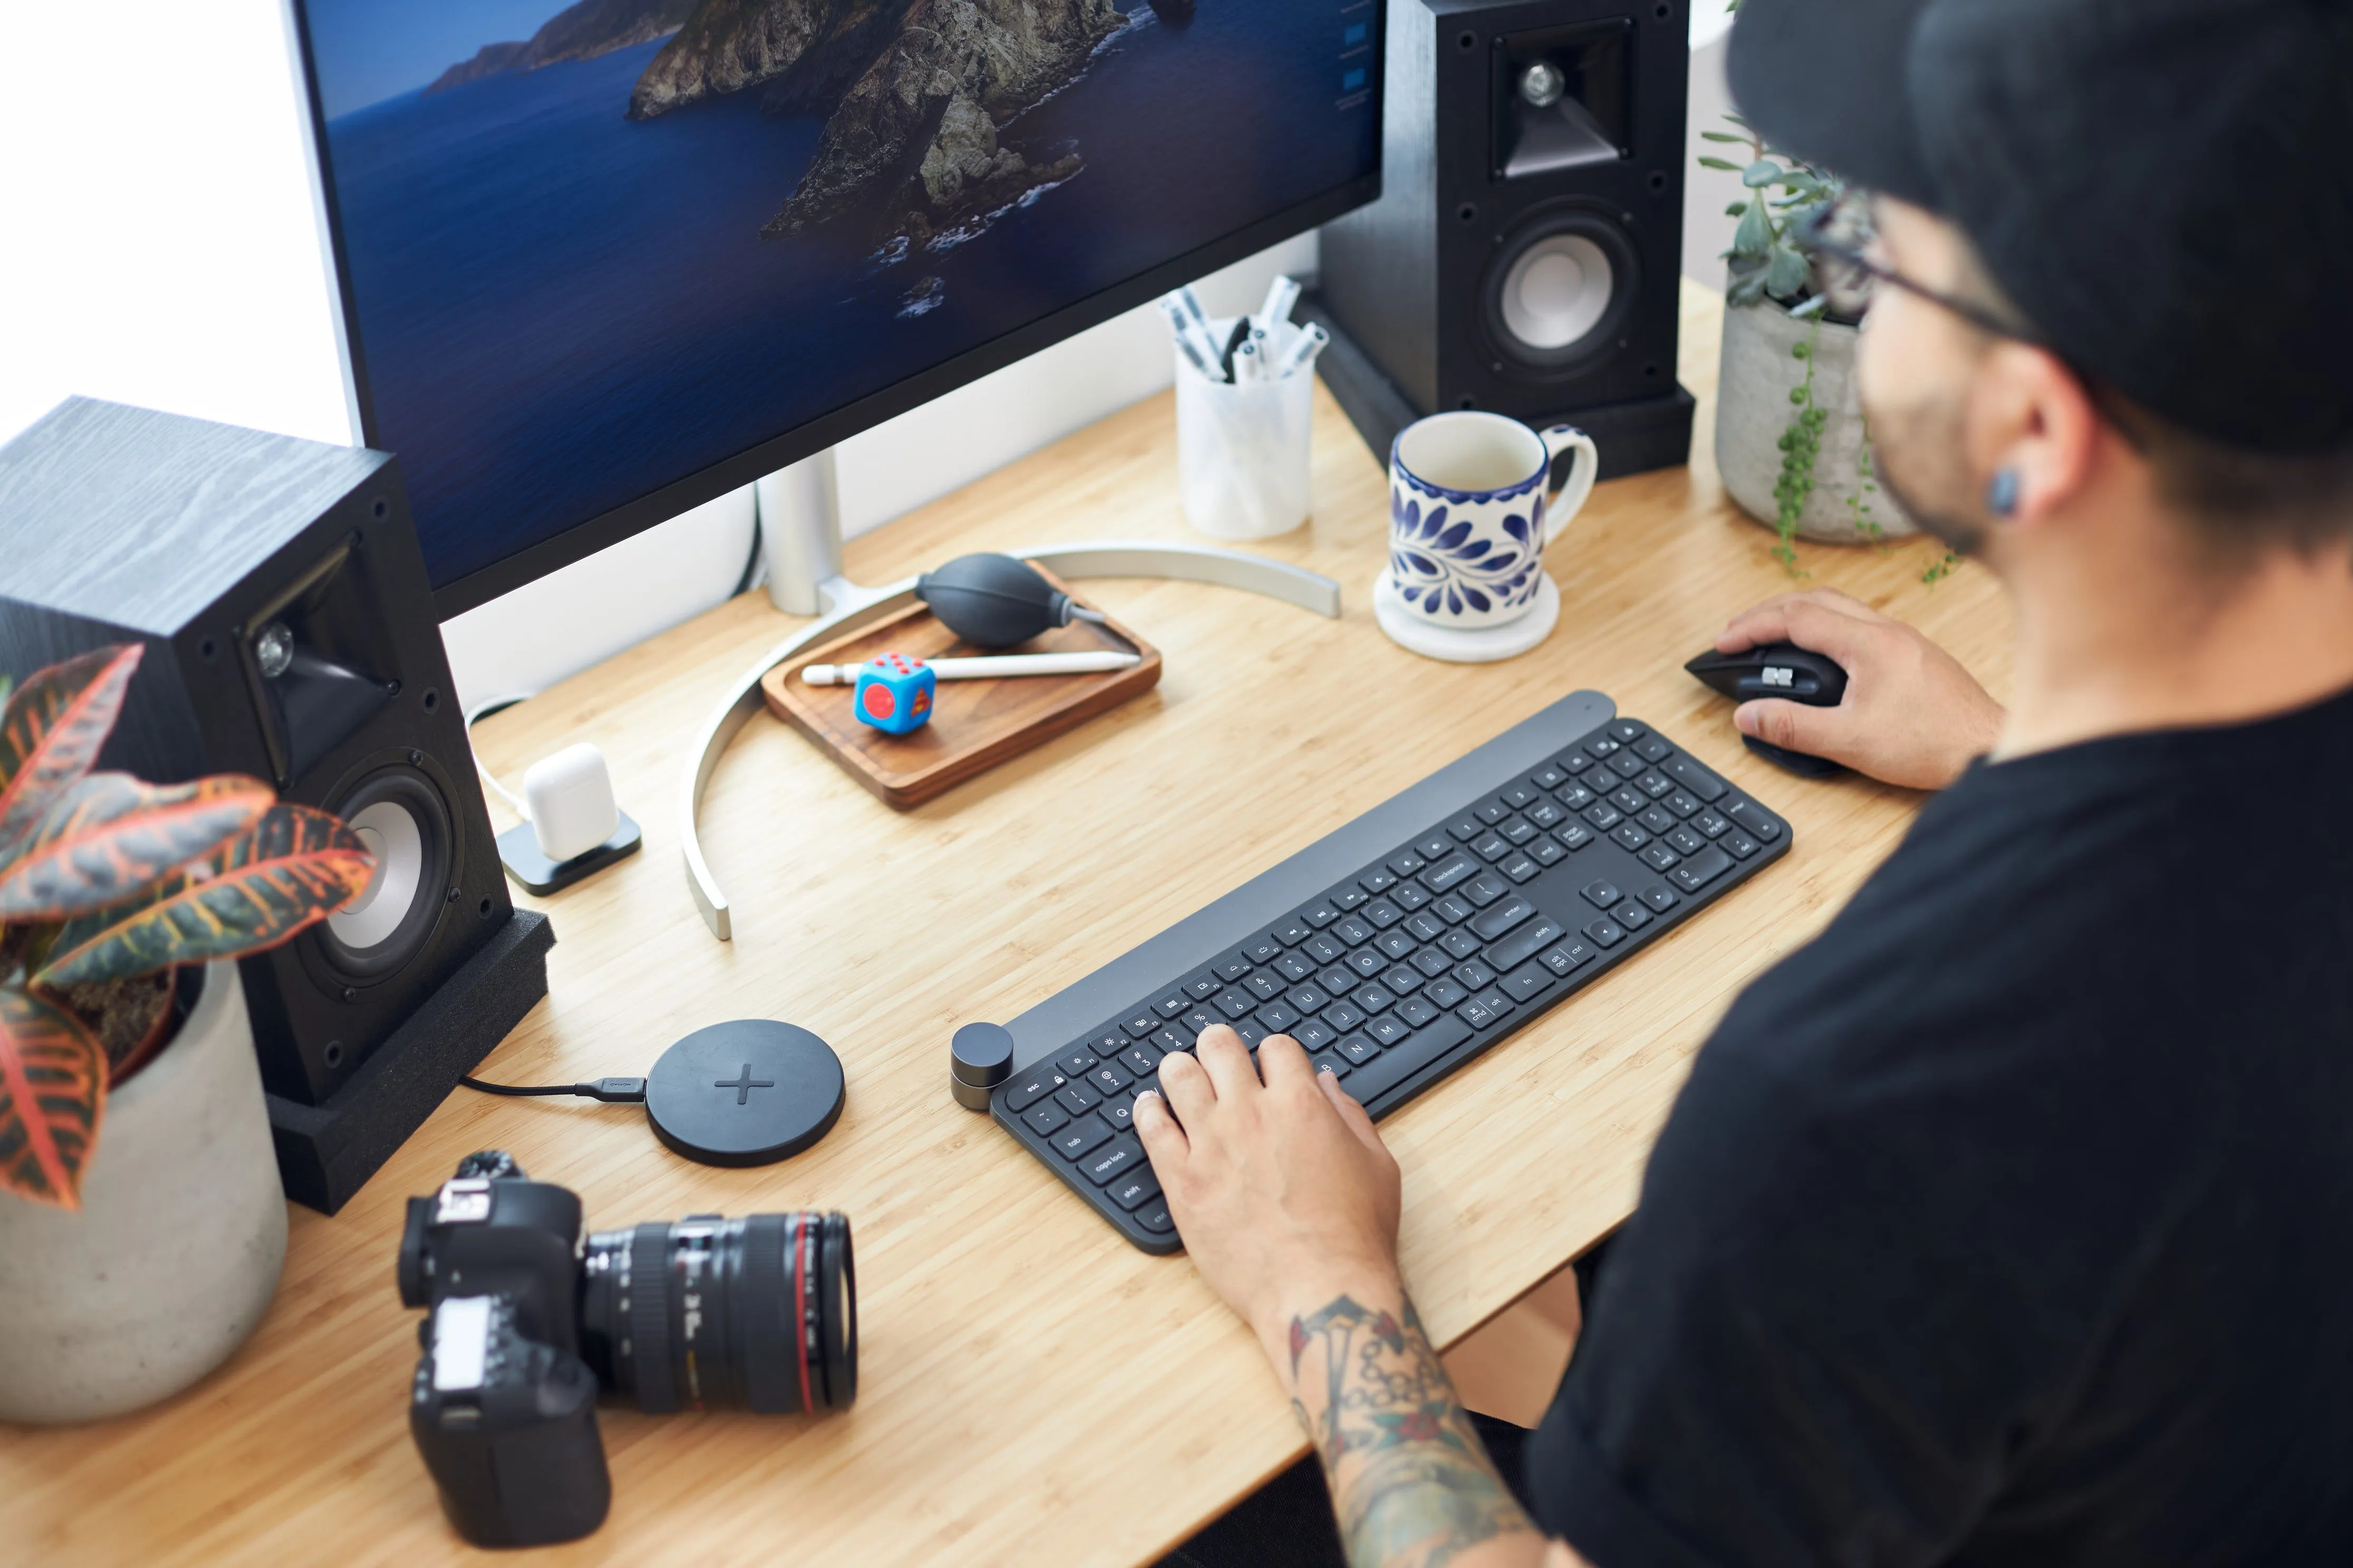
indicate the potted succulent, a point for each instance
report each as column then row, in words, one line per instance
column 1791, row 442
column 132, row 1264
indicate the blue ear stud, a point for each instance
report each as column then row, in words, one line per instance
column 2001, row 494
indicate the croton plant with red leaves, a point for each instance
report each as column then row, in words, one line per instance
column 107, row 885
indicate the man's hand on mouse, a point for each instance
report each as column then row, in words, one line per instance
column 1911, row 715
column 1283, row 1191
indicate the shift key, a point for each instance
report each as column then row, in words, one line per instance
column 1522, row 945
column 1399, row 1062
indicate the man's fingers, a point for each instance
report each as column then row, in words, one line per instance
column 1187, row 1084
column 1227, row 1060
column 1772, row 621
column 1164, row 1141
column 1793, row 726
column 1359, row 1120
column 1283, row 1061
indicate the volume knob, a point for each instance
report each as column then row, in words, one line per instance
column 981, row 1058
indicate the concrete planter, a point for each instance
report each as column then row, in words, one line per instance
column 175, row 1251
column 1759, row 372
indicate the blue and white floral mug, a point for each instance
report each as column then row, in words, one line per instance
column 1469, row 515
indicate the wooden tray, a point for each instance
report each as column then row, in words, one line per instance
column 976, row 725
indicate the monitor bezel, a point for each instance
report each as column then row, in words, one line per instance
column 592, row 534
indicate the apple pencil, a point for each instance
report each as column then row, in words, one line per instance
column 987, row 668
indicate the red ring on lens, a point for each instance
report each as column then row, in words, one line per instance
column 800, row 1320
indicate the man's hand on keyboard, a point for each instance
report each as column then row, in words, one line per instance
column 1282, row 1190
column 1912, row 715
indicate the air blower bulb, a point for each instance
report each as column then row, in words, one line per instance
column 995, row 601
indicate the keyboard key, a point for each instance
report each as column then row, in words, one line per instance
column 1405, row 862
column 1403, row 979
column 1547, row 816
column 1075, row 1061
column 1629, row 799
column 1522, row 945
column 1654, row 750
column 1431, row 847
column 1408, row 896
column 1491, row 812
column 1120, row 1155
column 1375, row 998
column 1086, row 1133
column 1109, row 1078
column 1696, row 779
column 1119, row 1114
column 1293, row 932
column 1654, row 784
column 1497, row 919
column 1604, row 816
column 1625, row 732
column 1132, row 1190
column 1452, row 909
column 1519, row 797
column 1293, row 968
column 1487, row 1007
column 1387, row 1031
column 1432, row 961
column 1321, row 914
column 1684, row 841
column 1739, row 843
column 1266, row 986
column 1520, row 867
column 1528, row 982
column 1307, row 999
column 1659, row 897
column 1336, row 980
column 1332, row 1062
column 1629, row 767
column 1452, row 867
column 1196, row 1020
column 1395, row 945
column 1030, row 1088
column 1459, row 943
column 1567, row 956
column 1657, row 819
column 1344, row 1015
column 1154, row 1217
column 1171, row 1039
column 1140, row 1026
column 1491, row 846
column 1701, row 870
column 1076, row 1097
column 1141, row 1059
column 1659, row 857
column 1278, row 1018
column 1601, row 895
column 1545, row 851
column 1606, row 932
column 1466, row 827
column 1358, row 1049
column 1710, row 824
column 1761, row 825
column 1394, row 1067
column 1352, row 932
column 1630, row 836
column 1252, row 1031
column 1347, row 899
column 1485, row 889
column 1548, row 777
column 1383, row 915
column 1046, row 1118
column 1170, row 1005
column 1601, row 748
column 1261, row 949
column 1680, row 802
column 1576, row 835
column 1448, row 991
column 1632, row 914
column 1323, row 948
column 1518, row 831
column 1202, row 989
column 1232, row 967
column 1415, row 1010
column 1574, row 761
column 1473, row 974
column 1576, row 797
column 1314, row 1034
column 1378, row 881
column 1111, row 1042
column 1367, row 962
column 1237, row 1003
column 1425, row 926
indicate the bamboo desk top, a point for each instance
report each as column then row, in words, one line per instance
column 1031, row 1390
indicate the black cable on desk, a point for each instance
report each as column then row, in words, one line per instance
column 611, row 1090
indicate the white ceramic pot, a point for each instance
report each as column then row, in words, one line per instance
column 175, row 1251
column 1757, row 372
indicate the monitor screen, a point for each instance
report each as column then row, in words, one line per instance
column 600, row 263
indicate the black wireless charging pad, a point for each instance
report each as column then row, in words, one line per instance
column 749, row 1092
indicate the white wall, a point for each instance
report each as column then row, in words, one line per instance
column 159, row 248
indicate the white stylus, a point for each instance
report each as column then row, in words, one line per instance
column 988, row 668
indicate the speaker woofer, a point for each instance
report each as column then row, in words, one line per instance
column 1560, row 290
column 399, row 813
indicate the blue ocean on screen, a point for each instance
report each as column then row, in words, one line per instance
column 558, row 308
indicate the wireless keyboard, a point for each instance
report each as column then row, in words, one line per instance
column 1397, row 947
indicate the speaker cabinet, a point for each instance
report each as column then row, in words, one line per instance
column 290, row 635
column 1524, row 255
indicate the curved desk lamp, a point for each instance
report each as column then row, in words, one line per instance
column 846, row 606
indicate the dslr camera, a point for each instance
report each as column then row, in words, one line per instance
column 526, row 1324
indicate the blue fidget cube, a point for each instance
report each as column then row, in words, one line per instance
column 894, row 693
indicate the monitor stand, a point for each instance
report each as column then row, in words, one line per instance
column 800, row 531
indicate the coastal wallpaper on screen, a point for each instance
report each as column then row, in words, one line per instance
column 592, row 249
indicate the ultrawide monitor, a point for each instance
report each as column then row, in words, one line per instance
column 599, row 264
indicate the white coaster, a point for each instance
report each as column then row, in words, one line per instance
column 1462, row 645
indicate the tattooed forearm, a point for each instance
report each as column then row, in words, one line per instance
column 1408, row 1475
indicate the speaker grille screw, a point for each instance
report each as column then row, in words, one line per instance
column 415, row 758
column 454, row 894
column 349, row 993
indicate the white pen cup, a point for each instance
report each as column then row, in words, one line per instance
column 1243, row 451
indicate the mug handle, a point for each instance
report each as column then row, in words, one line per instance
column 1563, row 503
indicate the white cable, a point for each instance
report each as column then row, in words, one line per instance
column 492, row 705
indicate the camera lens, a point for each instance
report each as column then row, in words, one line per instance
column 704, row 1313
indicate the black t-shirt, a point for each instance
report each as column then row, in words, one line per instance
column 2011, row 1220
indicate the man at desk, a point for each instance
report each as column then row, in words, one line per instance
column 2011, row 1220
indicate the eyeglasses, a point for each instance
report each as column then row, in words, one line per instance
column 1840, row 229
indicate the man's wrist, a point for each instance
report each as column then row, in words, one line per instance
column 1300, row 1295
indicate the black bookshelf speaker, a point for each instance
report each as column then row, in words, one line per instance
column 280, row 590
column 1524, row 255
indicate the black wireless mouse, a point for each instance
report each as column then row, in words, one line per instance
column 1777, row 669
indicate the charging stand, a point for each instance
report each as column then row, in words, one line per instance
column 533, row 872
